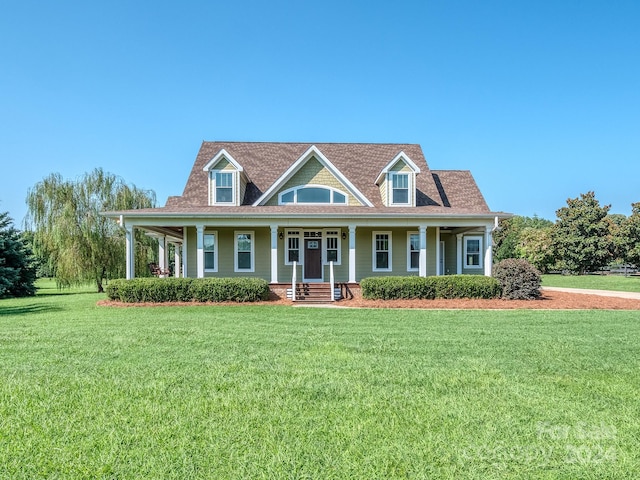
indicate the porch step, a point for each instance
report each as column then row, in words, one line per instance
column 315, row 293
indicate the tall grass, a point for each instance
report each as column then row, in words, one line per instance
column 280, row 392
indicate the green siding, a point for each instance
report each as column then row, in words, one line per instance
column 192, row 268
column 450, row 254
column 399, row 245
column 313, row 172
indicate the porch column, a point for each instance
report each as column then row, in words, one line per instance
column 163, row 251
column 274, row 253
column 488, row 252
column 352, row 254
column 176, row 260
column 184, row 252
column 130, row 252
column 459, row 253
column 422, row 270
column 200, row 250
column 438, row 252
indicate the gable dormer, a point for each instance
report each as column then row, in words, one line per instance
column 313, row 180
column 397, row 182
column 227, row 180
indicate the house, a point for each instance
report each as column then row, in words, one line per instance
column 341, row 211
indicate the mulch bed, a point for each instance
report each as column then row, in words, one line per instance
column 548, row 301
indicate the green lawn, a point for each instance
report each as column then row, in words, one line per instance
column 282, row 392
column 598, row 282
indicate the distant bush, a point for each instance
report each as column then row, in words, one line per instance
column 429, row 288
column 518, row 278
column 160, row 290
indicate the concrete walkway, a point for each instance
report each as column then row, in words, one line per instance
column 603, row 293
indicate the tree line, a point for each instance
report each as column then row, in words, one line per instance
column 584, row 238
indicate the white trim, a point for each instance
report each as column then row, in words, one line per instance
column 325, row 238
column 410, row 190
column 459, row 253
column 236, row 233
column 222, row 154
column 213, row 186
column 304, row 252
column 312, row 151
column 423, row 250
column 374, row 251
column 293, row 233
column 313, row 185
column 488, row 251
column 215, row 251
column 400, row 157
column 130, row 252
column 409, row 269
column 200, row 251
column 274, row 253
column 352, row 253
column 479, row 253
column 185, row 258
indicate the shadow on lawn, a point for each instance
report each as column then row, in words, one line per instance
column 27, row 309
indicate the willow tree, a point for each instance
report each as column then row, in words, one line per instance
column 80, row 244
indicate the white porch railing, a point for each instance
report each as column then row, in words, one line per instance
column 293, row 282
column 332, row 281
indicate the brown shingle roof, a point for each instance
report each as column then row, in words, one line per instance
column 442, row 190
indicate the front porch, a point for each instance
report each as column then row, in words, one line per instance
column 357, row 250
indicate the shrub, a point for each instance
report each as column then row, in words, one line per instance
column 518, row 278
column 466, row 286
column 188, row 289
column 389, row 288
column 450, row 286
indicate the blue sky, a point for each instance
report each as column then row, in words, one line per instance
column 540, row 100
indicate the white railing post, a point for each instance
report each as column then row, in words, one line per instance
column 332, row 281
column 293, row 282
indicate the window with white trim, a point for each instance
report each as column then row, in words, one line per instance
column 292, row 247
column 223, row 187
column 312, row 195
column 244, row 254
column 400, row 188
column 413, row 251
column 473, row 252
column 381, row 251
column 332, row 247
column 210, row 252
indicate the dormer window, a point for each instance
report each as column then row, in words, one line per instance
column 227, row 179
column 312, row 195
column 223, row 188
column 397, row 182
column 400, row 188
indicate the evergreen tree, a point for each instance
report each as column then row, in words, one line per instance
column 628, row 238
column 17, row 270
column 581, row 236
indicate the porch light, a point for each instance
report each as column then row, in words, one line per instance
column 344, row 235
column 281, row 235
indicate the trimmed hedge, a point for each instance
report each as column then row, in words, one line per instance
column 160, row 290
column 518, row 278
column 429, row 288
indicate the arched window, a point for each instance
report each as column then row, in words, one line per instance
column 312, row 195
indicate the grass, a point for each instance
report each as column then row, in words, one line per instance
column 598, row 282
column 281, row 392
